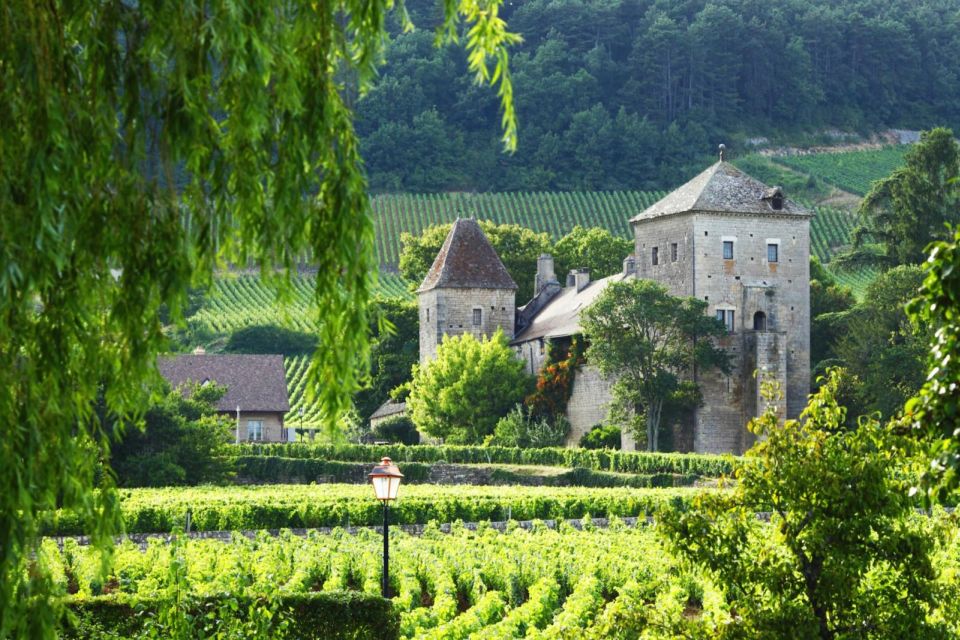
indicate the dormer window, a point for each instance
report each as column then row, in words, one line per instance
column 774, row 197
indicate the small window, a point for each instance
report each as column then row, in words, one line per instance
column 673, row 252
column 428, row 314
column 759, row 321
column 728, row 249
column 773, row 253
column 655, row 256
column 477, row 317
column 254, row 430
column 726, row 317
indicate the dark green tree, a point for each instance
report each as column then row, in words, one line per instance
column 908, row 209
column 395, row 349
column 649, row 343
column 182, row 441
column 593, row 248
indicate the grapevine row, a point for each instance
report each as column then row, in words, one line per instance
column 853, row 171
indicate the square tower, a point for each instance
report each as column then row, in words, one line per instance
column 743, row 248
column 467, row 290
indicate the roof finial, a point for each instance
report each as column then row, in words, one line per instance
column 723, row 148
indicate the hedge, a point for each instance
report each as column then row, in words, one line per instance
column 343, row 615
column 329, row 505
column 595, row 459
column 275, row 469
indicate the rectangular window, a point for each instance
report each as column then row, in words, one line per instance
column 428, row 314
column 254, row 430
column 773, row 251
column 477, row 317
column 655, row 256
column 726, row 317
column 728, row 249
column 673, row 252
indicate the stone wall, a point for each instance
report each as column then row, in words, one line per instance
column 450, row 312
column 588, row 403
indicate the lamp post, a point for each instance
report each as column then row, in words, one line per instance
column 385, row 478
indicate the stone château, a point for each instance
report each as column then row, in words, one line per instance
column 723, row 237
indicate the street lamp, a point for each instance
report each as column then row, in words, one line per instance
column 386, row 482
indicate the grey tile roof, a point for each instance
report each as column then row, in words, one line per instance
column 467, row 261
column 389, row 408
column 561, row 316
column 721, row 188
column 253, row 382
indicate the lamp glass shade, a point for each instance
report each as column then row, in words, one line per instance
column 385, row 478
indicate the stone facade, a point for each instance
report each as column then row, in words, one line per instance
column 272, row 428
column 451, row 312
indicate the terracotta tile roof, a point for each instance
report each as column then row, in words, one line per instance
column 467, row 260
column 722, row 188
column 253, row 382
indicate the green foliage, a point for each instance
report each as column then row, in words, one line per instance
column 346, row 615
column 520, row 428
column 611, row 460
column 853, row 171
column 270, row 339
column 908, row 209
column 182, row 441
column 395, row 350
column 592, row 248
column 141, row 144
column 932, row 413
column 843, row 556
column 280, row 506
column 602, row 437
column 398, row 429
column 281, row 470
column 556, row 377
column 460, row 395
column 649, row 342
column 876, row 340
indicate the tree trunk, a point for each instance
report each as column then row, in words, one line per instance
column 654, row 409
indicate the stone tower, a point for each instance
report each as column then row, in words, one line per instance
column 467, row 290
column 743, row 248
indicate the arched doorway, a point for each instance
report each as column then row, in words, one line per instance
column 759, row 321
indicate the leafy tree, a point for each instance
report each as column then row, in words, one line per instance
column 397, row 429
column 594, row 248
column 470, row 385
column 396, row 348
column 649, row 342
column 879, row 343
column 932, row 413
column 140, row 144
column 182, row 441
column 842, row 556
column 828, row 302
column 908, row 209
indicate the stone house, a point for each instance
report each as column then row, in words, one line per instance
column 741, row 246
column 256, row 395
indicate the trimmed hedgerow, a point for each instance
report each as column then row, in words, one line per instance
column 345, row 615
column 597, row 460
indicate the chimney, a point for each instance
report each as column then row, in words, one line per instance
column 545, row 274
column 629, row 265
column 578, row 278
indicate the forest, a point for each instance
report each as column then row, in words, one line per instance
column 636, row 94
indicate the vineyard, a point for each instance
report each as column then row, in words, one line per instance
column 303, row 411
column 553, row 212
column 235, row 302
column 331, row 505
column 537, row 583
column 852, row 171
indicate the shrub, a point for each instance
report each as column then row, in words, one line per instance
column 602, row 437
column 271, row 339
column 520, row 429
column 397, row 429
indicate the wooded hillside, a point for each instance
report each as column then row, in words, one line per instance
column 636, row 94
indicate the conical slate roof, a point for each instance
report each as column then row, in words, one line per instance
column 722, row 188
column 467, row 261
